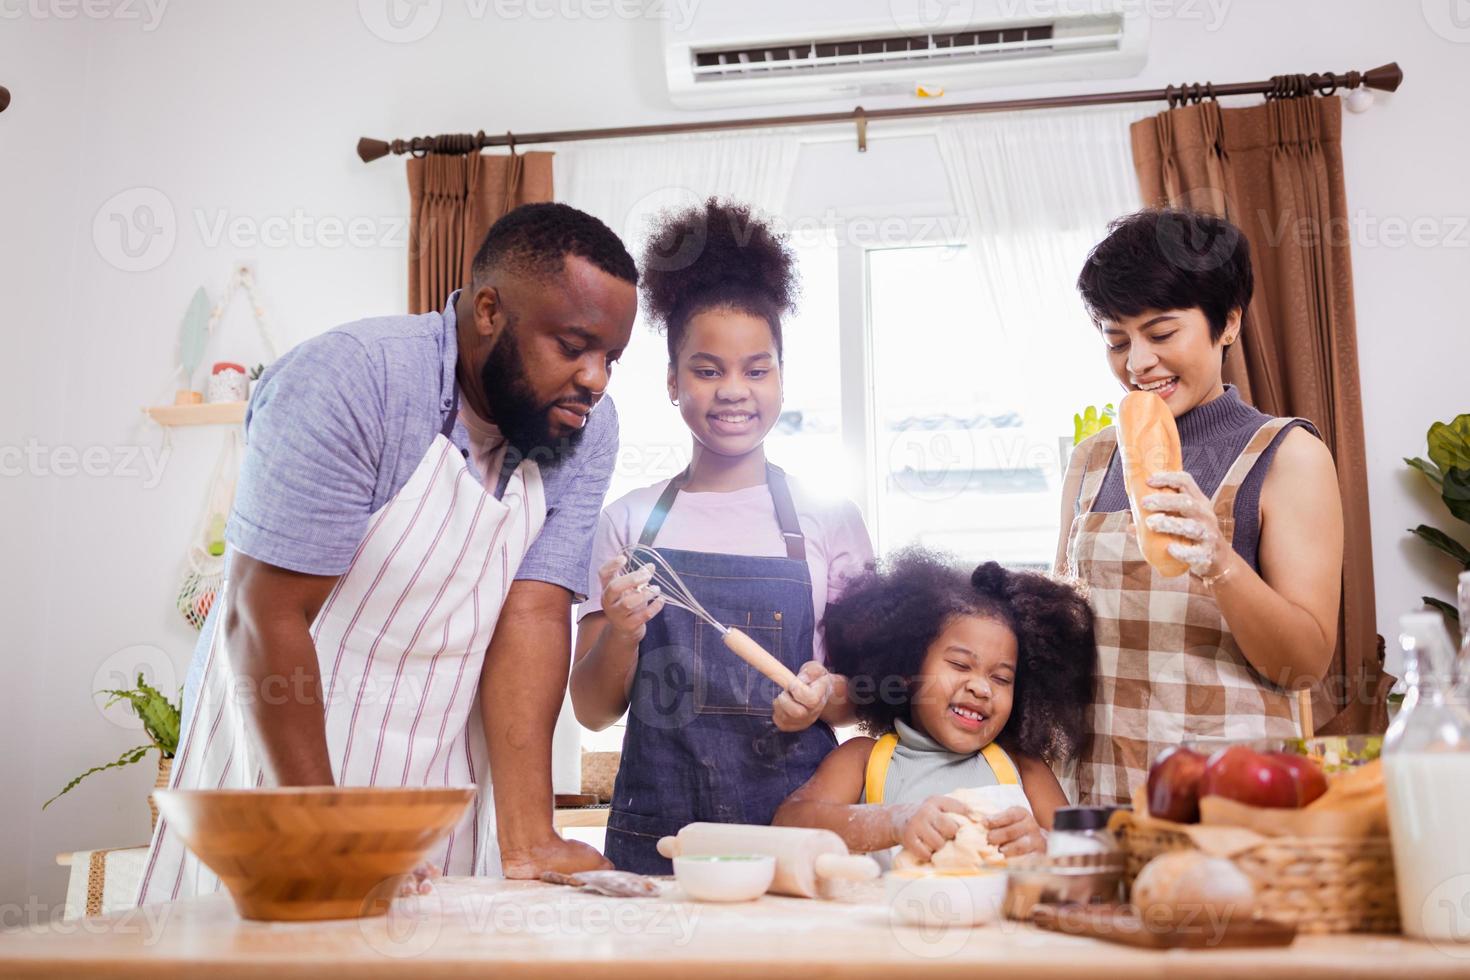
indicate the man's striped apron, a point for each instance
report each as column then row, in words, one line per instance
column 400, row 642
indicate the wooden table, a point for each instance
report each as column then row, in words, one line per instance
column 486, row 927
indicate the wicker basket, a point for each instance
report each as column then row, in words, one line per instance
column 1318, row 884
column 599, row 773
column 165, row 768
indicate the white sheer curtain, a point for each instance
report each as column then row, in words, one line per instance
column 1035, row 191
column 627, row 182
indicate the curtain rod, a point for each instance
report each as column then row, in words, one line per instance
column 1386, row 78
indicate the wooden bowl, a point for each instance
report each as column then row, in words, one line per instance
column 313, row 852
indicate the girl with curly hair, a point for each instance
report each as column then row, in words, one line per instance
column 708, row 738
column 959, row 681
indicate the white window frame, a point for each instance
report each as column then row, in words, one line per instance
column 855, row 354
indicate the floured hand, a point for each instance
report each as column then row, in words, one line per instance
column 629, row 599
column 1189, row 514
column 1015, row 831
column 924, row 828
column 972, row 845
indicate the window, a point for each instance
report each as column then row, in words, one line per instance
column 970, row 427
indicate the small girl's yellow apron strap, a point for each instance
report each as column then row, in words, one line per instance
column 878, row 760
column 1001, row 764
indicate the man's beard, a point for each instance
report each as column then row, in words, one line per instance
column 525, row 424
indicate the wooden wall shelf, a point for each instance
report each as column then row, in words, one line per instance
column 210, row 413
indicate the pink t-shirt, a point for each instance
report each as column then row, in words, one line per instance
column 740, row 522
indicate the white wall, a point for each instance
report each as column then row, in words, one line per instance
column 249, row 112
column 40, row 173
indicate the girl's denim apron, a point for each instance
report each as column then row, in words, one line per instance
column 700, row 744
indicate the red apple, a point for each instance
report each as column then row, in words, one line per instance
column 1173, row 785
column 1310, row 781
column 1246, row 776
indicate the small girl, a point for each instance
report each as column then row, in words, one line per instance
column 944, row 669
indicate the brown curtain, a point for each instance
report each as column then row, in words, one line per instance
column 453, row 200
column 1276, row 171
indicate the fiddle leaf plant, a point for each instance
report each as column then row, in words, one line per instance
column 160, row 718
column 1448, row 470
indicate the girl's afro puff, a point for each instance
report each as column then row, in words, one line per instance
column 713, row 256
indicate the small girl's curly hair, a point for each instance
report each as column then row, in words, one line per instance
column 716, row 255
column 882, row 627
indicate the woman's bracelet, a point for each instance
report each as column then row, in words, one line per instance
column 1210, row 581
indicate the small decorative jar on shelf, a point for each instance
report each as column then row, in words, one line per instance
column 227, row 383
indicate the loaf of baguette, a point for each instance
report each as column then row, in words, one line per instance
column 1149, row 442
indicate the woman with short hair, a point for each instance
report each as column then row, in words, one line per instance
column 1216, row 653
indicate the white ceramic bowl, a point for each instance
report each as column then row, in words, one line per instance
column 725, row 877
column 945, row 898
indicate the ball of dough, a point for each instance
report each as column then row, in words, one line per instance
column 971, row 848
column 1189, row 882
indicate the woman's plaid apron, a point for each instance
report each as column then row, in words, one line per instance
column 1168, row 669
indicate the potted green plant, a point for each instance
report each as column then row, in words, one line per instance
column 160, row 718
column 1448, row 471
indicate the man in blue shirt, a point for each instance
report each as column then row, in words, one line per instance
column 412, row 523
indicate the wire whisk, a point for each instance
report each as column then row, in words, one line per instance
column 676, row 593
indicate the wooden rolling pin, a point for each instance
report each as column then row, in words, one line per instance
column 804, row 857
column 758, row 657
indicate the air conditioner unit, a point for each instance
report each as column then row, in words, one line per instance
column 755, row 52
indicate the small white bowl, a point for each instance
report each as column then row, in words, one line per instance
column 725, row 877
column 945, row 898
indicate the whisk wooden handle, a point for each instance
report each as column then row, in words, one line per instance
column 756, row 655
